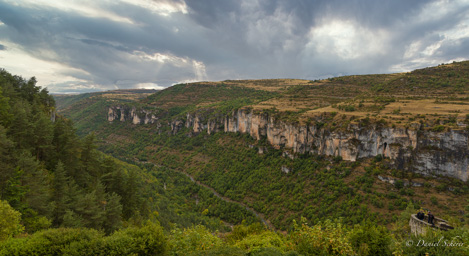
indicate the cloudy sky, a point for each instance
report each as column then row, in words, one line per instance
column 78, row 46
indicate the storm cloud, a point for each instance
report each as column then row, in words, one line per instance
column 98, row 45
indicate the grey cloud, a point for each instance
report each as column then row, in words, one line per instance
column 2, row 47
column 233, row 39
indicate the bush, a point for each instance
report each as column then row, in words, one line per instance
column 399, row 184
column 50, row 242
column 326, row 238
column 221, row 251
column 368, row 239
column 9, row 221
column 147, row 240
column 266, row 239
column 192, row 240
column 438, row 128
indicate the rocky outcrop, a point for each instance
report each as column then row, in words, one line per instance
column 125, row 113
column 408, row 148
column 425, row 152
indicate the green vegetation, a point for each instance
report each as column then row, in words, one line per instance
column 325, row 238
column 52, row 177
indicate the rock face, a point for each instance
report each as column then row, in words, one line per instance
column 124, row 113
column 425, row 152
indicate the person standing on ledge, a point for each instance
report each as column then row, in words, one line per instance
column 420, row 215
column 430, row 217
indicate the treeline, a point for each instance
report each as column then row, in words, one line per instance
column 51, row 176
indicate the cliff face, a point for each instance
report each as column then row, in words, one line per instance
column 124, row 113
column 426, row 152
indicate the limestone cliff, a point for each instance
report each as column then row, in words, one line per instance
column 412, row 148
column 426, row 152
column 125, row 113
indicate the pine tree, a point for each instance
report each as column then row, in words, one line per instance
column 42, row 136
column 5, row 115
column 72, row 220
column 113, row 218
column 66, row 147
column 59, row 194
column 130, row 199
column 90, row 210
column 6, row 161
column 21, row 127
column 90, row 164
column 36, row 180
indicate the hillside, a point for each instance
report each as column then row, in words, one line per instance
column 52, row 181
column 170, row 128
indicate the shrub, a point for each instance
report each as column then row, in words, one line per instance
column 438, row 128
column 9, row 221
column 147, row 240
column 266, row 239
column 368, row 239
column 50, row 242
column 326, row 238
column 191, row 240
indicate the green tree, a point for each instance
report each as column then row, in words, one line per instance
column 369, row 239
column 21, row 126
column 9, row 221
column 59, row 194
column 91, row 210
column 42, row 135
column 325, row 238
column 36, row 181
column 66, row 147
column 6, row 162
column 5, row 115
column 113, row 219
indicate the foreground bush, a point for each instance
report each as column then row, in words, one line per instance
column 9, row 221
column 193, row 240
column 326, row 238
column 147, row 240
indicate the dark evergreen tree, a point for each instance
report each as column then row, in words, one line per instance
column 59, row 194
column 91, row 211
column 6, row 162
column 42, row 136
column 36, row 181
column 113, row 213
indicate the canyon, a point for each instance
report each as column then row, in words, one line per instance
column 410, row 148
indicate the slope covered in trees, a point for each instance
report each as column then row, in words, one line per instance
column 50, row 175
column 53, row 178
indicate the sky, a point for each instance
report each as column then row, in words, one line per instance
column 73, row 46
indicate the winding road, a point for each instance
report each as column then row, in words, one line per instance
column 226, row 199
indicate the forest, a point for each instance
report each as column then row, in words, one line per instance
column 60, row 195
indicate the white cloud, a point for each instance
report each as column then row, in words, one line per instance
column 161, row 7
column 427, row 50
column 48, row 73
column 162, row 58
column 86, row 8
column 149, row 86
column 346, row 39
